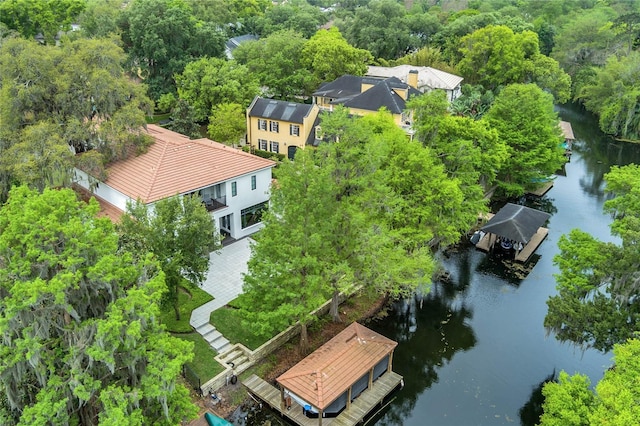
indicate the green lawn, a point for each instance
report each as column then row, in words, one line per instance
column 153, row 119
column 227, row 320
column 203, row 364
column 190, row 298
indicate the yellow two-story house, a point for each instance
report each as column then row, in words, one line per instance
column 281, row 127
column 366, row 95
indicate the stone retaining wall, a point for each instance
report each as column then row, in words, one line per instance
column 268, row 347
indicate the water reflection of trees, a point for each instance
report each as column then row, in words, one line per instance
column 544, row 204
column 531, row 411
column 595, row 150
column 430, row 329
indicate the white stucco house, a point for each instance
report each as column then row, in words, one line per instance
column 424, row 79
column 234, row 185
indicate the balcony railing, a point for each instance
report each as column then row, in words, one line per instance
column 213, row 204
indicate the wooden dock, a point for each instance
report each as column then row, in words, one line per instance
column 368, row 400
column 532, row 245
column 542, row 189
column 359, row 409
column 486, row 242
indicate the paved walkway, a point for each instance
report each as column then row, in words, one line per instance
column 224, row 283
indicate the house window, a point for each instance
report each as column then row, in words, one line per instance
column 274, row 126
column 262, row 124
column 319, row 134
column 294, row 129
column 406, row 118
column 253, row 182
column 274, row 147
column 234, row 189
column 252, row 215
column 262, row 144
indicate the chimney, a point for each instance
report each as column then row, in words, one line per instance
column 412, row 79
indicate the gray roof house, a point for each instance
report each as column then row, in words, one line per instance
column 366, row 95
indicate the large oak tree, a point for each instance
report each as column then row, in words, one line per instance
column 495, row 56
column 81, row 339
column 162, row 36
column 75, row 96
column 328, row 56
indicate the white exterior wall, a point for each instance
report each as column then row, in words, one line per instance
column 103, row 190
column 246, row 198
column 454, row 94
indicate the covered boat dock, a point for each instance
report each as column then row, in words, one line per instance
column 569, row 138
column 514, row 229
column 341, row 383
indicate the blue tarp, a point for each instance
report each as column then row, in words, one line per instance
column 214, row 420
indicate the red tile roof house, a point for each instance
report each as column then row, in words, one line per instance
column 234, row 185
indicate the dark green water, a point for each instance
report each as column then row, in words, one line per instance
column 474, row 351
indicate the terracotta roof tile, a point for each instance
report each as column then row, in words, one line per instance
column 567, row 130
column 106, row 208
column 324, row 375
column 174, row 164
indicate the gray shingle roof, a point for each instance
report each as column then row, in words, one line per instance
column 279, row 110
column 515, row 222
column 346, row 90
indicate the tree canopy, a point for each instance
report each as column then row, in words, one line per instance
column 298, row 16
column 228, row 12
column 100, row 18
column 276, row 61
column 328, row 56
column 180, row 234
column 372, row 28
column 599, row 282
column 285, row 279
column 525, row 120
column 495, row 56
column 208, row 82
column 571, row 402
column 365, row 210
column 33, row 17
column 77, row 95
column 183, row 120
column 614, row 94
column 161, row 37
column 81, row 341
column 585, row 40
column 227, row 123
column 470, row 150
column 470, row 153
